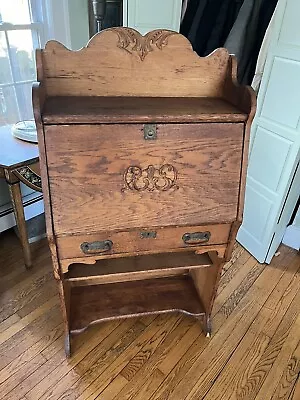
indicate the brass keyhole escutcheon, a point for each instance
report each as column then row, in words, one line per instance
column 148, row 235
column 150, row 132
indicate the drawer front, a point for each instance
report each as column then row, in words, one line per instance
column 142, row 240
column 121, row 177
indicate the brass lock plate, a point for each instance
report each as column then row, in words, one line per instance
column 150, row 132
column 148, row 235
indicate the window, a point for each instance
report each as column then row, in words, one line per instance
column 21, row 32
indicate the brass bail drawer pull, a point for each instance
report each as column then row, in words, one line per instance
column 96, row 247
column 196, row 237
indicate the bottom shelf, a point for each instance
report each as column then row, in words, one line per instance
column 92, row 304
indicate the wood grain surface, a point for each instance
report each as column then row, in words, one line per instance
column 255, row 335
column 136, row 268
column 219, row 249
column 86, row 171
column 96, row 303
column 137, row 133
column 166, row 238
column 97, row 110
column 106, row 67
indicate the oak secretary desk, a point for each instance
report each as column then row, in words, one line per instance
column 143, row 148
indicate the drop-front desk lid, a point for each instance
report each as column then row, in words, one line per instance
column 89, row 110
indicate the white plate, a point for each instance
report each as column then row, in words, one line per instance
column 25, row 130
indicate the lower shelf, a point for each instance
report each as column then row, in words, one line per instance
column 135, row 268
column 92, row 304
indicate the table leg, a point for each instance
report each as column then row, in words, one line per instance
column 16, row 197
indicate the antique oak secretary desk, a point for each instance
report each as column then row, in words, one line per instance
column 143, row 148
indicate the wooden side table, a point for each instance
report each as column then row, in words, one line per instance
column 19, row 162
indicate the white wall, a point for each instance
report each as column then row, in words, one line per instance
column 79, row 24
column 68, row 22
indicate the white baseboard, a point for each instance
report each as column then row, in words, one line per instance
column 8, row 221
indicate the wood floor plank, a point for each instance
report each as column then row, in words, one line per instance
column 28, row 336
column 219, row 350
column 57, row 375
column 203, row 385
column 8, row 322
column 40, row 297
column 161, row 326
column 148, row 384
column 289, row 377
column 237, row 294
column 232, row 378
column 114, row 388
column 233, row 268
column 35, row 376
column 250, row 383
column 55, row 357
column 25, row 358
column 17, row 273
column 147, row 319
column 108, row 349
column 20, row 295
column 16, row 378
column 187, row 329
column 167, row 388
column 295, row 395
column 211, row 363
column 237, row 254
column 140, row 359
column 14, row 381
column 167, row 360
column 148, row 388
column 238, row 276
column 252, row 355
column 21, row 323
column 273, row 378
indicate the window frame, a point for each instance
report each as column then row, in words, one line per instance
column 50, row 20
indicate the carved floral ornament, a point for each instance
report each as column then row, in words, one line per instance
column 151, row 178
column 132, row 41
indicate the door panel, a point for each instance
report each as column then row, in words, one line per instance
column 275, row 158
column 281, row 96
column 275, row 140
column 146, row 15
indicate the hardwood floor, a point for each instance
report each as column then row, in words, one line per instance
column 254, row 352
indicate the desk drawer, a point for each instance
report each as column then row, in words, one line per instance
column 142, row 240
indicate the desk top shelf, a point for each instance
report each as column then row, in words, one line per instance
column 89, row 110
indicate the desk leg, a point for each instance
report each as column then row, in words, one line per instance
column 16, row 197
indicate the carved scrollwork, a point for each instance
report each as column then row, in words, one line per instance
column 132, row 41
column 151, row 178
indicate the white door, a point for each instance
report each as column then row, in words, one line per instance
column 146, row 15
column 275, row 140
